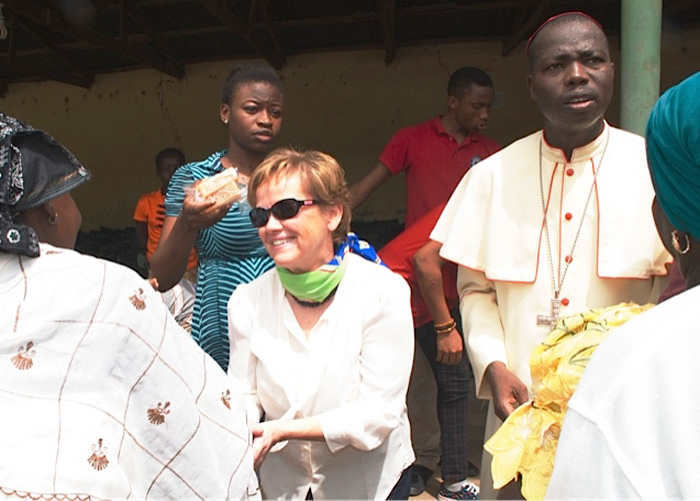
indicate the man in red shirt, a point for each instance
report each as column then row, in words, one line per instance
column 436, row 154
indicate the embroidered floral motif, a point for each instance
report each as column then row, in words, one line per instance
column 44, row 495
column 138, row 299
column 156, row 415
column 23, row 359
column 98, row 458
column 226, row 398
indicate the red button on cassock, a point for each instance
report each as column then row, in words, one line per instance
column 565, row 301
column 569, row 172
column 568, row 216
column 568, row 259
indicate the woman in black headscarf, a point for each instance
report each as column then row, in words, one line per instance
column 36, row 177
column 102, row 393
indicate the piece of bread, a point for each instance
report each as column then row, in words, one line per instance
column 222, row 188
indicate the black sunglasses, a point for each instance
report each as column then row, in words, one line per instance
column 284, row 209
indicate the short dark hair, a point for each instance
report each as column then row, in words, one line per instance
column 248, row 73
column 169, row 153
column 463, row 78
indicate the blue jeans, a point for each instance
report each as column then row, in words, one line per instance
column 452, row 383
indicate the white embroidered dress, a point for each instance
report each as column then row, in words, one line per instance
column 103, row 395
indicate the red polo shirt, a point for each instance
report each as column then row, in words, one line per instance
column 433, row 162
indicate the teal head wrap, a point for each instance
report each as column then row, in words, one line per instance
column 673, row 151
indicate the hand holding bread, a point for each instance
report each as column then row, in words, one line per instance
column 208, row 200
column 222, row 188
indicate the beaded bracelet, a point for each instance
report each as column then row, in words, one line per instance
column 445, row 324
column 446, row 327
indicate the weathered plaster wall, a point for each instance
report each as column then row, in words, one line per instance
column 345, row 103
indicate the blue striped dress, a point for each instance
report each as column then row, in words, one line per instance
column 230, row 253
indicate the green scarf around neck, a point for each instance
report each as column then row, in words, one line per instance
column 313, row 285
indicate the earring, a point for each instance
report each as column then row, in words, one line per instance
column 675, row 240
column 225, row 121
column 52, row 218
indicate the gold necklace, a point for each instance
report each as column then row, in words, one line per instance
column 553, row 317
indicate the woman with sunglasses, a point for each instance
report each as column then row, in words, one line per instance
column 229, row 249
column 322, row 344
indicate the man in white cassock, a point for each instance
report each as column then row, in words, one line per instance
column 557, row 223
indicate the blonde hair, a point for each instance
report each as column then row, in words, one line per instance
column 321, row 176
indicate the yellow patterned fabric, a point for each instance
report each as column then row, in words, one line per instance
column 526, row 442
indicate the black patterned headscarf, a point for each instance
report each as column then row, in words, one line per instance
column 34, row 168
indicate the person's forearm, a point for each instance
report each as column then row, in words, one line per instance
column 358, row 193
column 428, row 268
column 300, row 429
column 431, row 289
column 269, row 433
column 495, row 370
column 363, row 188
column 169, row 261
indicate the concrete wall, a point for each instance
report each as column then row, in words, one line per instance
column 345, row 103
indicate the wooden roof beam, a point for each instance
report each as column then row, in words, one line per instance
column 270, row 26
column 10, row 62
column 402, row 12
column 142, row 20
column 67, row 58
column 50, row 20
column 122, row 21
column 387, row 10
column 241, row 28
column 524, row 30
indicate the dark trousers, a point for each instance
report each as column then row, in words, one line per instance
column 452, row 383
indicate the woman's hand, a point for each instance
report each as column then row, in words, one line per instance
column 200, row 215
column 268, row 433
column 265, row 436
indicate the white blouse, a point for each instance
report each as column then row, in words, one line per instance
column 351, row 373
